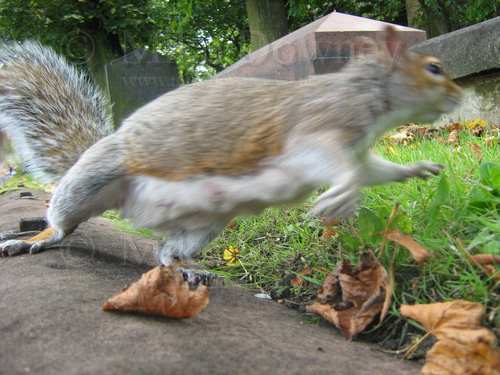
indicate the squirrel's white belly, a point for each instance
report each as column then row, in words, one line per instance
column 159, row 204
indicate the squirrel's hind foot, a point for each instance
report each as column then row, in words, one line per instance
column 33, row 245
column 196, row 277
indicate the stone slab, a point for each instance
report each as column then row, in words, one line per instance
column 136, row 79
column 51, row 322
column 467, row 51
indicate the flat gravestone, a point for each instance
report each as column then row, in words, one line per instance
column 323, row 46
column 136, row 79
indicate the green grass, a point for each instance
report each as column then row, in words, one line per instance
column 452, row 215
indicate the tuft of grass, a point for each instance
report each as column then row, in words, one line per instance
column 126, row 226
column 20, row 181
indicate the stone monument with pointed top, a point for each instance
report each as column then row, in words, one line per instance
column 323, row 46
column 137, row 78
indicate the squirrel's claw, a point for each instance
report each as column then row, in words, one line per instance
column 14, row 247
column 196, row 277
column 33, row 245
column 425, row 169
column 338, row 207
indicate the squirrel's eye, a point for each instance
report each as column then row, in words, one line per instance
column 434, row 69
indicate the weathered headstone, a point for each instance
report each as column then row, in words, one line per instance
column 137, row 78
column 323, row 46
column 471, row 56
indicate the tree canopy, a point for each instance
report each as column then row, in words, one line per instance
column 204, row 37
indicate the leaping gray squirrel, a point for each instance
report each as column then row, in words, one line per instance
column 191, row 160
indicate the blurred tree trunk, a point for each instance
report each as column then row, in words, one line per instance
column 267, row 20
column 412, row 7
column 436, row 20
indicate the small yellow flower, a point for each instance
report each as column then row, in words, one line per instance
column 231, row 255
column 475, row 123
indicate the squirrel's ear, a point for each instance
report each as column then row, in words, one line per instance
column 393, row 43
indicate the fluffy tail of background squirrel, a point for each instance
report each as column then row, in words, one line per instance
column 49, row 109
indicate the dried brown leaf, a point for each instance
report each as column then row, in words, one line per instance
column 477, row 131
column 464, row 346
column 486, row 259
column 419, row 253
column 455, row 126
column 352, row 297
column 401, row 137
column 328, row 233
column 160, row 291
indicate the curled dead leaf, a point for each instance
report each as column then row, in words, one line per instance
column 352, row 297
column 419, row 253
column 463, row 346
column 160, row 291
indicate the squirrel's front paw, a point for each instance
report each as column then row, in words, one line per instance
column 425, row 169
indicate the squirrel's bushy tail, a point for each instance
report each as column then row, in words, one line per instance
column 50, row 110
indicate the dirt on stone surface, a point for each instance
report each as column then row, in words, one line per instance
column 52, row 323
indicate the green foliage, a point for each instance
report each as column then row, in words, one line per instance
column 303, row 12
column 75, row 27
column 453, row 15
column 439, row 213
column 204, row 37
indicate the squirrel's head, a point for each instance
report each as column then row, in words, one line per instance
column 413, row 82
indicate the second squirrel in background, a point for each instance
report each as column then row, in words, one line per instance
column 191, row 160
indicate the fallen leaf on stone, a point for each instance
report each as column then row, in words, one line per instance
column 352, row 297
column 464, row 347
column 419, row 253
column 161, row 291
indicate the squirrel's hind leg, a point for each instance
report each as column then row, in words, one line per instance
column 92, row 186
